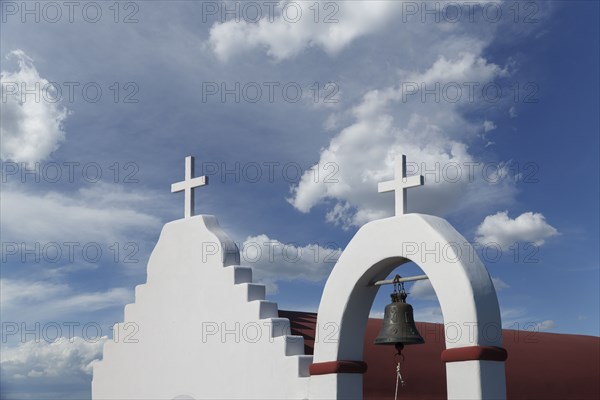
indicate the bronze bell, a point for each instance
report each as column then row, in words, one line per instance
column 398, row 323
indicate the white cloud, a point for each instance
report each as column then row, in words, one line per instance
column 376, row 314
column 499, row 284
column 423, row 290
column 273, row 261
column 521, row 319
column 61, row 358
column 514, row 318
column 546, row 325
column 283, row 39
column 33, row 128
column 489, row 126
column 21, row 299
column 429, row 314
column 102, row 213
column 93, row 301
column 13, row 292
column 37, row 364
column 433, row 135
column 500, row 229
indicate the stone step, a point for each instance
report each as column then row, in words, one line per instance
column 129, row 312
column 240, row 274
column 294, row 345
column 139, row 291
column 278, row 326
column 265, row 309
column 304, row 362
column 252, row 291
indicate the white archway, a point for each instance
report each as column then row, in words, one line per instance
column 475, row 367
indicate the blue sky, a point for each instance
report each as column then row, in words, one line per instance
column 341, row 94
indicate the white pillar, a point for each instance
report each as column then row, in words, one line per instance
column 471, row 380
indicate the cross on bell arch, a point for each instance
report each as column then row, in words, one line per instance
column 400, row 183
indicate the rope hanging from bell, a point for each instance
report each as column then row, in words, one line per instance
column 399, row 359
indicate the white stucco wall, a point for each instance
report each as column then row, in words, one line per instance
column 199, row 328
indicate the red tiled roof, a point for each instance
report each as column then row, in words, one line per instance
column 544, row 366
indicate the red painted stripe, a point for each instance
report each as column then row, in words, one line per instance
column 488, row 353
column 338, row 367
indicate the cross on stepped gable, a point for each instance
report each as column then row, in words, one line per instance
column 400, row 183
column 188, row 186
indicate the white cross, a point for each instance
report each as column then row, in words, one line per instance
column 400, row 183
column 188, row 186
